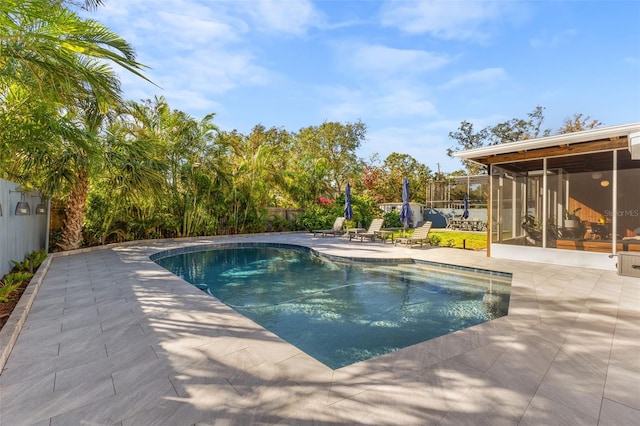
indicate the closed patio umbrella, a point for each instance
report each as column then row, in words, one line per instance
column 405, row 211
column 465, row 212
column 348, row 210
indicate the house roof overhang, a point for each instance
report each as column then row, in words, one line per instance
column 612, row 137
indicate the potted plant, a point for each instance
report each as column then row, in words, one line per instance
column 533, row 229
column 571, row 219
column 573, row 224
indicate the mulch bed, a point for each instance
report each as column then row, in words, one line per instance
column 14, row 298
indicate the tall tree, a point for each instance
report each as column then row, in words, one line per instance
column 55, row 81
column 513, row 130
column 467, row 138
column 396, row 167
column 335, row 144
column 256, row 175
column 518, row 129
column 577, row 123
column 371, row 173
column 195, row 160
column 53, row 54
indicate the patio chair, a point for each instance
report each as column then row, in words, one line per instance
column 371, row 233
column 420, row 236
column 335, row 230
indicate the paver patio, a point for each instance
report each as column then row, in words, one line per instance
column 112, row 338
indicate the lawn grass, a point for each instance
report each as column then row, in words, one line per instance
column 449, row 238
column 460, row 239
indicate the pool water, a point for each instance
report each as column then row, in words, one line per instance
column 343, row 312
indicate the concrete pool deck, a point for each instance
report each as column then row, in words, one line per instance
column 112, row 338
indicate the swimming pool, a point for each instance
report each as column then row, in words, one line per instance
column 342, row 312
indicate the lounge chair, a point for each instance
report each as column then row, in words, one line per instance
column 420, row 236
column 371, row 233
column 335, row 230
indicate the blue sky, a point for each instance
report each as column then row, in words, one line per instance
column 410, row 70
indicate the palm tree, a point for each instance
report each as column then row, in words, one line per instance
column 92, row 4
column 54, row 53
column 195, row 176
column 56, row 89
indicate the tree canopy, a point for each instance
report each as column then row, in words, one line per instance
column 513, row 130
column 125, row 170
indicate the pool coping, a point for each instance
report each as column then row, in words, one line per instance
column 339, row 258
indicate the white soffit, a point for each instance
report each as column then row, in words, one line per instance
column 634, row 145
column 555, row 140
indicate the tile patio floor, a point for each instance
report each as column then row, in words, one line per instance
column 112, row 338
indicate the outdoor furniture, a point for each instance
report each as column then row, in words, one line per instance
column 335, row 230
column 601, row 246
column 376, row 225
column 629, row 264
column 601, row 231
column 354, row 231
column 383, row 235
column 467, row 224
column 420, row 236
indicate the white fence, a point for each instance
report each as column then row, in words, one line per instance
column 417, row 211
column 23, row 233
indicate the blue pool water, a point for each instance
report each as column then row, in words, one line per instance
column 343, row 312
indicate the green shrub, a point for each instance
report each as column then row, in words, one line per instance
column 322, row 215
column 317, row 217
column 18, row 277
column 278, row 224
column 12, row 282
column 37, row 257
column 392, row 220
column 5, row 290
column 25, row 265
column 31, row 262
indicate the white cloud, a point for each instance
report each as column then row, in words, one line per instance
column 388, row 103
column 402, row 103
column 173, row 21
column 545, row 41
column 448, row 20
column 292, row 17
column 191, row 47
column 208, row 74
column 184, row 29
column 387, row 60
column 194, row 100
column 427, row 144
column 295, row 63
column 486, row 77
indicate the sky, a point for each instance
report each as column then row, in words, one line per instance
column 411, row 71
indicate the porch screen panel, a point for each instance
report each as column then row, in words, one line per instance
column 516, row 198
column 583, row 212
column 628, row 203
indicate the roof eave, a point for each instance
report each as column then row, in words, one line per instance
column 476, row 155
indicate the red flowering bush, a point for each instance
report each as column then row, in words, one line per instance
column 325, row 201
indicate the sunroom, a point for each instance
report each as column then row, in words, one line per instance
column 570, row 199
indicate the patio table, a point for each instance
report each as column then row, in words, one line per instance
column 467, row 224
column 354, row 231
column 383, row 235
